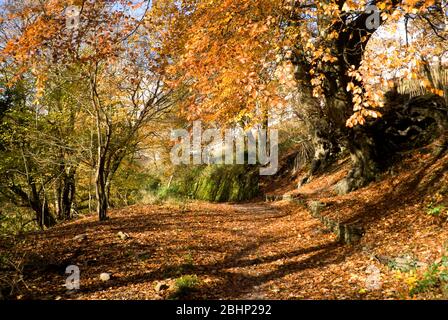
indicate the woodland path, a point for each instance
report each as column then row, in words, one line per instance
column 238, row 251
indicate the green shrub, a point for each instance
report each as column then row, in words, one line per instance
column 173, row 191
column 130, row 184
column 435, row 276
column 185, row 285
column 436, row 211
column 153, row 183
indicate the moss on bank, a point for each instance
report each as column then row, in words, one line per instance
column 214, row 183
column 223, row 183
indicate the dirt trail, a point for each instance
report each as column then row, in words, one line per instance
column 238, row 251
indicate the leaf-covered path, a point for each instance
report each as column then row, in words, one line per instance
column 240, row 251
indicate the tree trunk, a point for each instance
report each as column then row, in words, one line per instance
column 364, row 162
column 339, row 105
column 68, row 194
column 65, row 194
column 101, row 187
column 103, row 141
column 101, row 191
column 322, row 156
column 43, row 215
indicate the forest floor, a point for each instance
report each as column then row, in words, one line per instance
column 254, row 250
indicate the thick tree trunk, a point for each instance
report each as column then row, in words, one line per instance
column 364, row 162
column 349, row 47
column 316, row 120
column 322, row 156
column 339, row 105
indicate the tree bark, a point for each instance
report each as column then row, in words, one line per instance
column 101, row 186
column 44, row 218
column 65, row 194
column 339, row 103
column 364, row 162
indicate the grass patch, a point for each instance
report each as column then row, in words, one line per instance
column 185, row 285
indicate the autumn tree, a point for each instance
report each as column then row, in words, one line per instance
column 115, row 54
column 240, row 56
